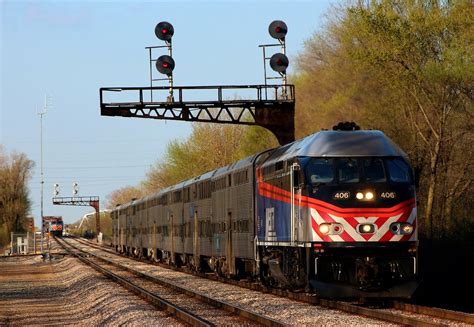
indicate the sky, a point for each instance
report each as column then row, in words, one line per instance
column 67, row 50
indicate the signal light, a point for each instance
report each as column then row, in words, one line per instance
column 164, row 31
column 279, row 62
column 56, row 190
column 278, row 29
column 165, row 64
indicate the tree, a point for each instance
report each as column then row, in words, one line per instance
column 123, row 195
column 210, row 146
column 405, row 67
column 15, row 204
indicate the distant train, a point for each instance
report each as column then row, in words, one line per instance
column 334, row 213
column 56, row 225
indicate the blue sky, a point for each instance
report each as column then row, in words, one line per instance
column 69, row 49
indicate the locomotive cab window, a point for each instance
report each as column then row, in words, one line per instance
column 374, row 170
column 399, row 170
column 348, row 170
column 320, row 170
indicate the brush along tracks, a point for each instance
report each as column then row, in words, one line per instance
column 191, row 307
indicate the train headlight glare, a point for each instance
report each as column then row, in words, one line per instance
column 359, row 195
column 369, row 195
column 407, row 228
column 366, row 229
column 324, row 228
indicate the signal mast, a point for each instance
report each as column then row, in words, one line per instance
column 271, row 106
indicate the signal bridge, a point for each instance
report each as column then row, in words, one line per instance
column 92, row 201
column 270, row 106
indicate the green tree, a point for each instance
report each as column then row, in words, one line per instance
column 123, row 195
column 405, row 67
column 210, row 146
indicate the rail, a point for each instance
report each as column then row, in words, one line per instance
column 233, row 309
column 159, row 302
column 381, row 314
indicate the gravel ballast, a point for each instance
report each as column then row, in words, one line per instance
column 66, row 292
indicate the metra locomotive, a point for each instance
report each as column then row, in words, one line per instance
column 334, row 212
column 56, row 225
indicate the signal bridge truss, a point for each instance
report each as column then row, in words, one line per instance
column 269, row 106
column 92, row 201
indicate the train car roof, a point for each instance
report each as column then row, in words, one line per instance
column 242, row 163
column 365, row 143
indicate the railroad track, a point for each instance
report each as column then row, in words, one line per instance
column 400, row 312
column 186, row 305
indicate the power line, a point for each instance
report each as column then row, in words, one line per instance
column 98, row 167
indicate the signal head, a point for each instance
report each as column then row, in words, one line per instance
column 278, row 29
column 279, row 62
column 165, row 64
column 164, row 31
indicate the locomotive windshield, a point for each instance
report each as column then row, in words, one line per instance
column 355, row 170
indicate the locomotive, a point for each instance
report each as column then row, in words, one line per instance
column 333, row 213
column 56, row 225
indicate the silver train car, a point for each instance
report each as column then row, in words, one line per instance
column 333, row 213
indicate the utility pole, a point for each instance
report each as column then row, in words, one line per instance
column 47, row 101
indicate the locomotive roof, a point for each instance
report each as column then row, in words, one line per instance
column 370, row 143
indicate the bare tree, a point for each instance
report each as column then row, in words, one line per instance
column 15, row 204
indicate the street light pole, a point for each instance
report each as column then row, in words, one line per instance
column 41, row 114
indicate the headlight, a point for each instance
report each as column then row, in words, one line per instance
column 331, row 229
column 365, row 196
column 366, row 228
column 324, row 229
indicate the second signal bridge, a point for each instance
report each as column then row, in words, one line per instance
column 269, row 106
column 92, row 201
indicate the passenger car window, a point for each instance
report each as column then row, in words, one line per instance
column 348, row 171
column 374, row 170
column 320, row 170
column 399, row 170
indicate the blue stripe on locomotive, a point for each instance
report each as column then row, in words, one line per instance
column 281, row 214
